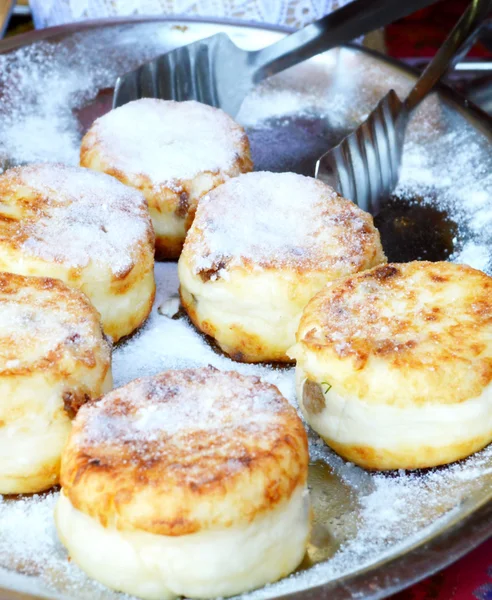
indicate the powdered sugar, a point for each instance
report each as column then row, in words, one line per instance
column 43, row 321
column 171, row 406
column 474, row 254
column 76, row 216
column 376, row 516
column 41, row 329
column 168, row 142
column 41, row 126
column 44, row 85
column 303, row 90
column 40, row 90
column 278, row 219
column 445, row 162
column 395, row 512
column 29, row 545
column 451, row 169
column 145, row 353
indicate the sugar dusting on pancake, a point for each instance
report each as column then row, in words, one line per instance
column 279, row 220
column 167, row 141
column 192, row 437
column 43, row 322
column 430, row 323
column 74, row 216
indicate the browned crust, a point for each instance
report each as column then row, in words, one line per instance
column 362, row 245
column 421, row 457
column 33, row 205
column 76, row 305
column 177, row 199
column 250, row 348
column 73, row 400
column 133, row 322
column 440, row 340
column 30, row 206
column 122, row 281
column 178, row 489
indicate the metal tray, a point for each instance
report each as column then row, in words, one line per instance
column 373, row 534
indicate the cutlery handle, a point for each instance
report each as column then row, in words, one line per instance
column 341, row 26
column 455, row 47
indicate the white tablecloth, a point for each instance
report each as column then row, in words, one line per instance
column 295, row 13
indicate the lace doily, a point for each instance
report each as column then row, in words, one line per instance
column 295, row 13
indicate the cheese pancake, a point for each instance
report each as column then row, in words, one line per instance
column 394, row 365
column 190, row 483
column 53, row 358
column 86, row 229
column 261, row 246
column 173, row 152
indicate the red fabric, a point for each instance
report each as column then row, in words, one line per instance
column 420, row 34
column 468, row 579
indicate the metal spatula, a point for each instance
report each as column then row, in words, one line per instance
column 365, row 166
column 216, row 72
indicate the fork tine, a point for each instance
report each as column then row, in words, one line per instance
column 365, row 164
column 392, row 112
column 388, row 145
column 380, row 131
column 147, row 81
column 373, row 172
column 125, row 89
column 164, row 79
column 201, row 64
column 326, row 171
column 193, row 91
column 345, row 172
column 191, row 72
column 358, row 157
column 178, row 71
column 382, row 128
column 205, row 78
column 187, row 83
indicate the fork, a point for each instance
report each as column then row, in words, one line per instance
column 364, row 167
column 216, row 72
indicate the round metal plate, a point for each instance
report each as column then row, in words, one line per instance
column 55, row 82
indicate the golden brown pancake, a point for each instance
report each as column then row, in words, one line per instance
column 173, row 152
column 395, row 364
column 86, row 229
column 190, row 464
column 53, row 358
column 260, row 247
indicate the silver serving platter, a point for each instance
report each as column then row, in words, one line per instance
column 373, row 534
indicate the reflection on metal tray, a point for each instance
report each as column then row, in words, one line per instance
column 373, row 534
column 471, row 78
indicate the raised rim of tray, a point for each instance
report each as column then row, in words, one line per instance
column 459, row 535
